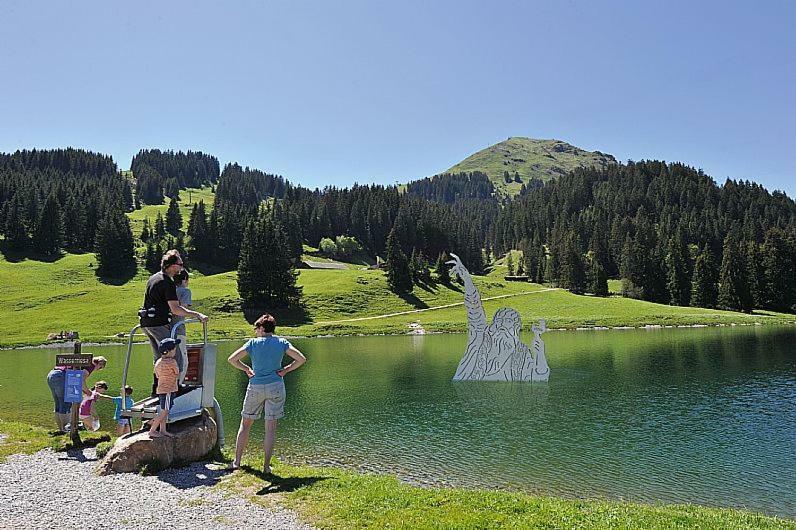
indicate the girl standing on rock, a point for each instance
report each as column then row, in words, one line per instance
column 167, row 373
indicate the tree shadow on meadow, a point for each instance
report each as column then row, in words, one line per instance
column 15, row 256
column 290, row 316
column 413, row 300
column 205, row 268
column 116, row 281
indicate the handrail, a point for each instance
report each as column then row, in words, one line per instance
column 189, row 321
column 130, row 349
column 127, row 366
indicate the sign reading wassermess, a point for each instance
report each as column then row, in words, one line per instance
column 75, row 360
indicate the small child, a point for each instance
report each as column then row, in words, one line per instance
column 88, row 414
column 167, row 372
column 123, row 425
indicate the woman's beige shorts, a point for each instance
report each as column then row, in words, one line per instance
column 270, row 397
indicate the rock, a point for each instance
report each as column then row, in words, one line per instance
column 193, row 439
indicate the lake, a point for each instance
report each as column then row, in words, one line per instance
column 705, row 416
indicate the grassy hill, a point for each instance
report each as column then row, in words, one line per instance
column 530, row 158
column 40, row 297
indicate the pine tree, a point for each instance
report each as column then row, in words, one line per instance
column 399, row 277
column 266, row 275
column 733, row 280
column 179, row 245
column 541, row 270
column 704, row 285
column 160, row 227
column 152, row 256
column 573, row 273
column 779, row 271
column 441, row 268
column 510, row 264
column 15, row 231
column 48, row 236
column 115, row 247
column 198, row 232
column 598, row 280
column 145, row 231
column 530, row 258
column 632, row 269
column 127, row 196
column 678, row 279
column 173, row 217
column 423, row 271
column 756, row 272
column 414, row 266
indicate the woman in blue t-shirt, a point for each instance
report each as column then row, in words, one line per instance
column 266, row 390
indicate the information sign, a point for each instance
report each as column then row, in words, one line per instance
column 73, row 386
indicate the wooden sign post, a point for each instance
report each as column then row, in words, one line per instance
column 73, row 391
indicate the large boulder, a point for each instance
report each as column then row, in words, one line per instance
column 193, row 439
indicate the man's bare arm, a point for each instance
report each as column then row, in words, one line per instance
column 181, row 311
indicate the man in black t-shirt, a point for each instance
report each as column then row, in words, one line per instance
column 160, row 303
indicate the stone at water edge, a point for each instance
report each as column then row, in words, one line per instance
column 193, row 439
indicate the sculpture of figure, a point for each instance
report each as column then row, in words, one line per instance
column 540, row 371
column 495, row 352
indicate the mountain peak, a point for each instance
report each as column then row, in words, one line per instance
column 523, row 159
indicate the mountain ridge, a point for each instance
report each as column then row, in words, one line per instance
column 524, row 159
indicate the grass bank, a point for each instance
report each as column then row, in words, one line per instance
column 44, row 297
column 23, row 438
column 333, row 498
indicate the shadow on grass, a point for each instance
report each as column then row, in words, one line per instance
column 453, row 286
column 117, row 281
column 410, row 298
column 279, row 484
column 15, row 256
column 76, row 451
column 429, row 287
column 205, row 268
column 290, row 316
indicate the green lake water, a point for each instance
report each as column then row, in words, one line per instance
column 705, row 416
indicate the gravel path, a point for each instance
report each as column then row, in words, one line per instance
column 60, row 490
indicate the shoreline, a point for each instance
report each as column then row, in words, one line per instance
column 414, row 332
column 328, row 496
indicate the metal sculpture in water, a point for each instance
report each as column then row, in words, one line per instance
column 495, row 352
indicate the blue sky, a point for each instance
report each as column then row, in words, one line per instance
column 337, row 92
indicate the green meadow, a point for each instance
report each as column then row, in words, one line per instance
column 42, row 297
column 331, row 498
column 45, row 297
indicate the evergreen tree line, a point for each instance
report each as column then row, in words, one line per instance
column 668, row 231
column 161, row 235
column 63, row 161
column 160, row 174
column 65, row 199
column 365, row 213
column 452, row 187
